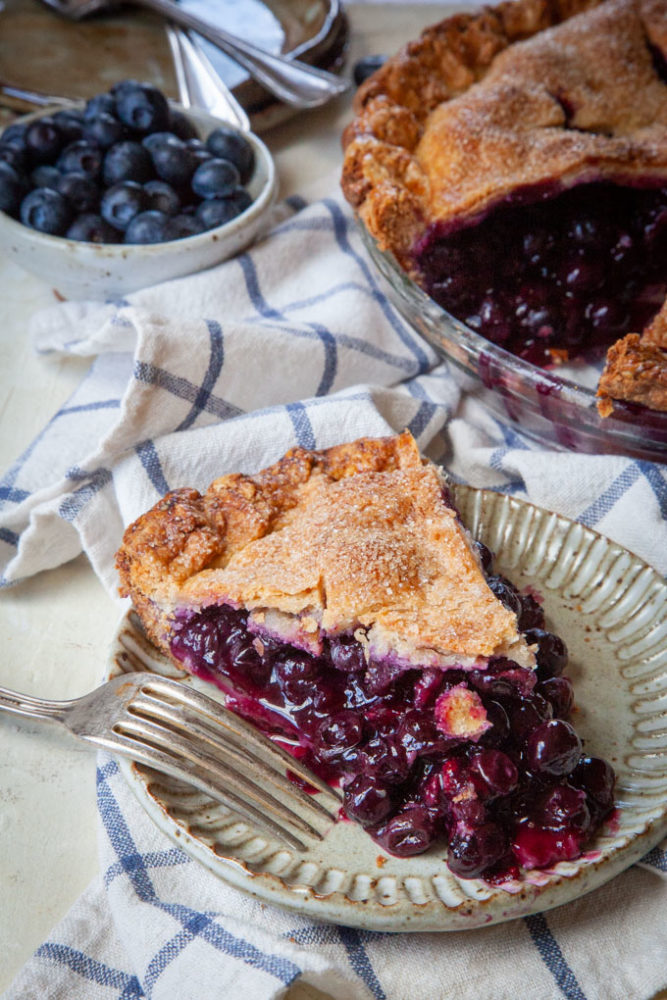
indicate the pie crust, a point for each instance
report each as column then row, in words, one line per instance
column 356, row 539
column 532, row 96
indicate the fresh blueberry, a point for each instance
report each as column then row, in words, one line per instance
column 92, row 228
column 143, row 108
column 12, row 189
column 181, row 126
column 46, row 210
column 155, row 139
column 127, row 161
column 161, row 197
column 44, row 140
column 148, row 227
column 174, row 162
column 14, row 134
column 70, row 122
column 216, row 211
column 16, row 156
column 104, row 129
column 45, row 176
column 181, row 226
column 200, row 150
column 226, row 143
column 215, row 179
column 81, row 192
column 81, row 157
column 121, row 202
column 99, row 104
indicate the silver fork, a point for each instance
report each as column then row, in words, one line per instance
column 293, row 82
column 176, row 729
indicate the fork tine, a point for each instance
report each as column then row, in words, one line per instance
column 221, row 742
column 245, row 734
column 209, row 764
column 163, row 761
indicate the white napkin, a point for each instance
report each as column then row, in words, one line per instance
column 291, row 343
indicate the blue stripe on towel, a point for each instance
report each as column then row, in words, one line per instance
column 301, row 421
column 552, row 956
column 150, row 460
column 360, row 962
column 216, row 361
column 656, row 858
column 181, row 388
column 200, row 925
column 90, row 968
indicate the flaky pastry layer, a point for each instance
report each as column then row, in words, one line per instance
column 355, row 538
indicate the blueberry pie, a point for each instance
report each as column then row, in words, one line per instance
column 514, row 160
column 342, row 606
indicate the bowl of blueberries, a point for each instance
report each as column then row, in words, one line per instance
column 128, row 189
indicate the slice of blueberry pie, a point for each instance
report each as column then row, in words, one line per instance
column 342, row 606
column 514, row 160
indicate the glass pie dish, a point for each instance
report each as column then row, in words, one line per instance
column 553, row 407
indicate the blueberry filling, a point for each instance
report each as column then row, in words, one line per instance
column 483, row 759
column 552, row 277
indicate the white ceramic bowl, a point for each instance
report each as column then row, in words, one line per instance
column 98, row 271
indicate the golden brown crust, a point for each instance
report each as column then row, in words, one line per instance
column 636, row 369
column 356, row 536
column 532, row 94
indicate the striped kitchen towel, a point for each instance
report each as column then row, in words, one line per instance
column 291, row 343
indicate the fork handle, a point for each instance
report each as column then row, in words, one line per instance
column 294, row 82
column 32, row 708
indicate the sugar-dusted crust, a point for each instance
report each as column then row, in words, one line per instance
column 356, row 537
column 636, row 369
column 482, row 105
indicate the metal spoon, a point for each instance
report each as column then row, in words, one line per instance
column 291, row 81
column 199, row 85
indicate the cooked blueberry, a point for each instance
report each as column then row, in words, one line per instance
column 367, row 801
column 12, row 189
column 559, row 692
column 44, row 140
column 100, row 104
column 216, row 211
column 70, row 122
column 341, row 732
column 142, row 107
column 474, row 849
column 553, row 748
column 366, row 66
column 551, row 653
column 161, row 197
column 127, row 161
column 181, row 126
column 148, row 227
column 226, row 143
column 81, row 192
column 506, row 592
column 182, row 226
column 597, row 779
column 92, row 228
column 498, row 773
column 81, row 157
column 215, row 179
column 346, row 653
column 104, row 129
column 46, row 210
column 406, row 834
column 121, row 203
column 174, row 162
column 561, row 808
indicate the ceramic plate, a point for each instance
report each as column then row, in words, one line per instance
column 610, row 608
